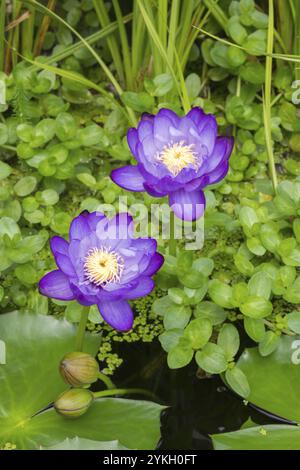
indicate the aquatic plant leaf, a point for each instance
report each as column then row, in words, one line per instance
column 271, row 437
column 30, row 382
column 275, row 380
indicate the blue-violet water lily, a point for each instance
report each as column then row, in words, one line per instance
column 177, row 157
column 103, row 264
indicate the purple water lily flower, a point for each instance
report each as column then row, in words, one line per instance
column 103, row 264
column 177, row 157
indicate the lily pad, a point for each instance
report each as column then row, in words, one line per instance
column 275, row 380
column 86, row 444
column 30, row 382
column 271, row 437
column 275, row 387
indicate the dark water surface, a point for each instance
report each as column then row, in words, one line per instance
column 197, row 406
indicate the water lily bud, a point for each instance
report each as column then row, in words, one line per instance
column 78, row 369
column 74, row 402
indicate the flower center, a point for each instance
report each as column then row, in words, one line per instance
column 178, row 156
column 102, row 266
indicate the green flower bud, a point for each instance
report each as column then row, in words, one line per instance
column 74, row 402
column 78, row 369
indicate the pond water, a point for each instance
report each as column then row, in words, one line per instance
column 197, row 406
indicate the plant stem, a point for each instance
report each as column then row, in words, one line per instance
column 28, row 33
column 123, row 391
column 92, row 39
column 268, row 96
column 43, row 29
column 273, row 328
column 186, row 21
column 2, row 35
column 297, row 38
column 200, row 21
column 162, row 21
column 8, row 147
column 106, row 380
column 81, row 329
column 138, row 51
column 175, row 4
column 172, row 241
column 124, row 44
column 112, row 43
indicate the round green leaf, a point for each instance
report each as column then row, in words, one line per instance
column 211, row 359
column 177, row 316
column 5, row 170
column 180, row 356
column 220, row 293
column 260, row 285
column 269, row 343
column 213, row 312
column 294, row 321
column 229, row 340
column 255, row 328
column 65, row 126
column 169, row 339
column 256, row 307
column 25, row 186
column 198, row 332
column 237, row 380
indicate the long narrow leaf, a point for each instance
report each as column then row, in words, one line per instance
column 155, row 37
column 102, row 64
column 287, row 57
column 2, row 26
column 268, row 96
column 112, row 43
column 92, row 39
column 124, row 43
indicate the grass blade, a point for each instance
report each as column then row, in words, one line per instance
column 102, row 64
column 2, row 34
column 156, row 40
column 217, row 12
column 39, row 41
column 124, row 44
column 112, row 43
column 268, row 95
column 185, row 96
column 92, row 39
column 173, row 29
column 297, row 37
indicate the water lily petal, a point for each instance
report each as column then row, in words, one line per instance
column 56, row 285
column 59, row 245
column 65, row 265
column 144, row 287
column 118, row 314
column 187, row 205
column 128, row 177
column 219, row 173
column 132, row 139
column 79, row 227
column 155, row 264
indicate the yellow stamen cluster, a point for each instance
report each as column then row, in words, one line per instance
column 178, row 156
column 103, row 266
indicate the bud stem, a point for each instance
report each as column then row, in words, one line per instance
column 106, row 380
column 81, row 329
column 123, row 391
